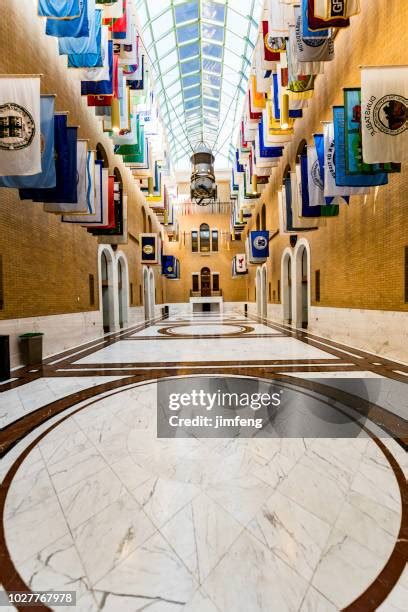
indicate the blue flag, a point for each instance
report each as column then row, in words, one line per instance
column 258, row 246
column 47, row 176
column 342, row 178
column 319, row 143
column 59, row 9
column 169, row 267
column 79, row 26
column 84, row 45
column 86, row 59
column 100, row 88
column 65, row 165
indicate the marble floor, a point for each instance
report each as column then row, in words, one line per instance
column 93, row 501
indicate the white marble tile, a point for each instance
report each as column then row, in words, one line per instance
column 130, row 474
column 293, row 534
column 26, row 492
column 346, row 569
column 201, row 533
column 56, row 567
column 162, row 498
column 223, row 349
column 152, row 573
column 241, row 497
column 89, row 496
column 75, row 468
column 378, row 482
column 315, row 602
column 322, row 495
column 251, row 577
column 56, row 447
column 107, row 538
column 200, row 602
column 30, row 531
column 17, row 402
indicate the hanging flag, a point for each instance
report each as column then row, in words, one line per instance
column 319, row 49
column 329, row 9
column 384, row 111
column 240, row 264
column 85, row 58
column 102, row 202
column 59, row 9
column 99, row 80
column 300, row 85
column 353, row 142
column 20, row 126
column 47, row 176
column 169, row 266
column 79, row 26
column 112, row 11
column 280, row 17
column 108, row 194
column 316, row 24
column 84, row 44
column 94, row 194
column 258, row 246
column 315, row 183
column 81, row 205
column 342, row 178
column 65, row 189
column 149, row 249
column 330, row 187
column 306, row 32
column 319, row 144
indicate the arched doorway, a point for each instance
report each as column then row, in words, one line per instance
column 123, row 293
column 286, row 275
column 107, row 291
column 205, row 282
column 302, row 284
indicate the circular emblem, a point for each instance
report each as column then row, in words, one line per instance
column 315, row 173
column 260, row 243
column 275, row 44
column 148, row 249
column 170, row 269
column 390, row 114
column 17, row 127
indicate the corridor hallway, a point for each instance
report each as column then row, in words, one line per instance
column 94, row 502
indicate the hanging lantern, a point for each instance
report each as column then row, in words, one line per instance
column 203, row 185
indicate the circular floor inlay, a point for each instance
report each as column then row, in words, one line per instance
column 205, row 330
column 101, row 505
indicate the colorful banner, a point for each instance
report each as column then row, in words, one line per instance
column 319, row 49
column 20, row 126
column 78, row 27
column 89, row 59
column 342, row 177
column 329, row 9
column 316, row 24
column 258, row 246
column 315, row 183
column 81, row 205
column 149, row 249
column 330, row 187
column 384, row 111
column 59, row 9
column 84, row 44
column 47, row 176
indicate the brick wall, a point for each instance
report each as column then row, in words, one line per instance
column 46, row 263
column 360, row 254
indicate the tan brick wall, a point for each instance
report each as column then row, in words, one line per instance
column 361, row 253
column 46, row 263
column 190, row 263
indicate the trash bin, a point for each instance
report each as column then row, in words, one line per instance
column 4, row 357
column 166, row 311
column 32, row 345
column 246, row 310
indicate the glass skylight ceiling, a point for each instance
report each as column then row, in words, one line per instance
column 201, row 53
